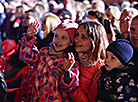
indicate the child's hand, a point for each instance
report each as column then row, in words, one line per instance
column 68, row 63
column 33, row 29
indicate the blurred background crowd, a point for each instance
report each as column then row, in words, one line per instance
column 17, row 15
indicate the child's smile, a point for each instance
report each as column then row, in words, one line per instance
column 61, row 40
column 58, row 45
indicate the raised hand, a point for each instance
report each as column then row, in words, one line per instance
column 68, row 63
column 33, row 29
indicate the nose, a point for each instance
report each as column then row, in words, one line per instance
column 77, row 38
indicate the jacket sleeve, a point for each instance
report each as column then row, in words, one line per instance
column 28, row 54
column 78, row 95
column 74, row 83
column 93, row 89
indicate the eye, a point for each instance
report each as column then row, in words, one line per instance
column 84, row 37
column 56, row 35
column 76, row 35
column 113, row 57
column 63, row 37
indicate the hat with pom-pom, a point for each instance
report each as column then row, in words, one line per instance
column 69, row 26
column 122, row 49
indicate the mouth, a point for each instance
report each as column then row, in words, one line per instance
column 58, row 45
column 78, row 45
column 106, row 65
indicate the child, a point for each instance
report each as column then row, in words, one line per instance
column 48, row 59
column 116, row 83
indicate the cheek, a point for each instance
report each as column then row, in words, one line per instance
column 87, row 46
column 66, row 43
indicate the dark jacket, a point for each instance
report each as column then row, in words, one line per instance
column 117, row 85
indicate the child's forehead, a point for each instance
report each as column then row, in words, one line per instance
column 61, row 32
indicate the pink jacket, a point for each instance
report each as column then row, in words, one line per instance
column 47, row 86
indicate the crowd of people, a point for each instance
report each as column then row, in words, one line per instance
column 81, row 50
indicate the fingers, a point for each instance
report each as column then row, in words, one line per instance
column 71, row 56
column 71, row 59
column 36, row 26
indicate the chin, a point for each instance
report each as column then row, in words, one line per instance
column 79, row 50
column 108, row 68
column 58, row 49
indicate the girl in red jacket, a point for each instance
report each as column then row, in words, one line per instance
column 48, row 82
column 90, row 43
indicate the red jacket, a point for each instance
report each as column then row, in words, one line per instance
column 87, row 89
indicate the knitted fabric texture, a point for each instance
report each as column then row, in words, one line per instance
column 69, row 26
column 122, row 49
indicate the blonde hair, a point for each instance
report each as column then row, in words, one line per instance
column 51, row 22
column 98, row 38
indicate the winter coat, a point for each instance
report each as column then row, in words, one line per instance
column 47, row 86
column 85, row 84
column 117, row 85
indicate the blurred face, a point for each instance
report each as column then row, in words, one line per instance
column 111, row 61
column 61, row 40
column 134, row 32
column 109, row 15
column 63, row 16
column 28, row 19
column 82, row 41
column 43, row 28
column 125, row 23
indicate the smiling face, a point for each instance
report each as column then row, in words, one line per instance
column 61, row 40
column 111, row 61
column 82, row 41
